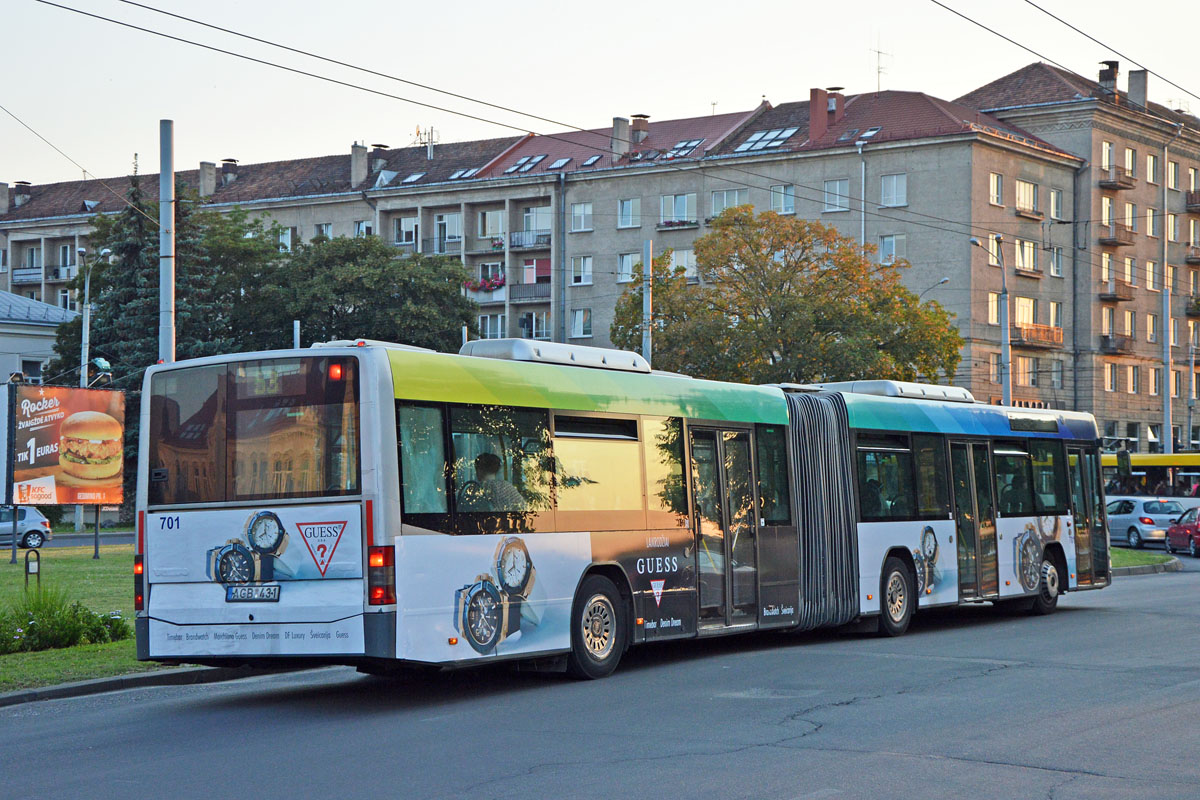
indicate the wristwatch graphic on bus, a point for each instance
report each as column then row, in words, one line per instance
column 234, row 562
column 517, row 577
column 925, row 560
column 269, row 539
column 484, row 615
column 1027, row 558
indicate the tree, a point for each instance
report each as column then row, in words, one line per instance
column 787, row 300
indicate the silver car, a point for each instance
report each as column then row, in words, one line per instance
column 33, row 529
column 1142, row 519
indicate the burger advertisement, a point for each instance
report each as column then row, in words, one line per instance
column 69, row 445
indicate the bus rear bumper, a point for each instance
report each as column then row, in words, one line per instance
column 370, row 635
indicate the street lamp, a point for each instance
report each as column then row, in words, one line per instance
column 85, row 341
column 930, row 288
column 1005, row 334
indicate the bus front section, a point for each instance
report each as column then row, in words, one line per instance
column 253, row 518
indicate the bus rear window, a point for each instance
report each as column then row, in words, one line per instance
column 255, row 430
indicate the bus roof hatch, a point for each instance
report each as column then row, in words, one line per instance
column 570, row 355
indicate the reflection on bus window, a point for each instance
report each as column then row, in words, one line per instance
column 773, row 475
column 1014, row 489
column 497, row 466
column 662, row 442
column 885, row 485
column 933, row 497
column 422, row 460
column 1049, row 476
column 187, row 435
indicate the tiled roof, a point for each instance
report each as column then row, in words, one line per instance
column 15, row 308
column 1040, row 83
column 448, row 159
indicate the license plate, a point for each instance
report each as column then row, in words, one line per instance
column 252, row 594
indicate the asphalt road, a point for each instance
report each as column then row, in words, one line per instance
column 84, row 539
column 1096, row 701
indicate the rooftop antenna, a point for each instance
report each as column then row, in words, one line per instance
column 879, row 68
column 427, row 139
column 714, row 108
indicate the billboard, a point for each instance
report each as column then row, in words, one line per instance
column 68, row 445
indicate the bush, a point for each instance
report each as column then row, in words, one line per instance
column 54, row 513
column 43, row 618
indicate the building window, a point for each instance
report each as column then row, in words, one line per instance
column 64, row 299
column 1026, row 255
column 1106, row 155
column 1172, row 228
column 535, row 325
column 837, row 195
column 581, row 323
column 3, row 259
column 1174, row 332
column 625, row 265
column 323, row 229
column 536, row 218
column 362, row 227
column 1026, row 310
column 491, row 223
column 629, row 213
column 996, row 189
column 893, row 190
column 1107, row 320
column 1151, row 168
column 1105, row 267
column 581, row 270
column 1172, row 174
column 1130, row 322
column 679, row 208
column 1110, row 377
column 1176, row 383
column 1131, row 216
column 1194, row 233
column 994, row 367
column 994, row 249
column 1056, row 374
column 1156, row 380
column 1131, row 161
column 1131, row 271
column 1056, row 316
column 1106, row 210
column 1194, row 281
column 1026, row 196
column 1056, row 259
column 893, row 246
column 1152, row 282
column 285, row 239
column 490, row 270
column 685, row 259
column 491, row 326
column 1193, row 179
column 993, row 308
column 1026, row 371
column 1132, row 374
column 1153, row 218
column 1056, row 204
column 581, row 216
column 783, row 198
column 1152, row 327
column 406, row 230
column 728, row 198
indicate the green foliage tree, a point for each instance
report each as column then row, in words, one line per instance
column 787, row 300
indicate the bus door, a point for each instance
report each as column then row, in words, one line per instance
column 1091, row 553
column 975, row 520
column 725, row 527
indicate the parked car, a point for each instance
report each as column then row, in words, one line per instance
column 33, row 529
column 1142, row 519
column 1185, row 534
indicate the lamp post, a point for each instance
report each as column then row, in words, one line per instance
column 934, row 286
column 85, row 338
column 1005, row 333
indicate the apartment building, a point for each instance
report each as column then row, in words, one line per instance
column 552, row 227
column 1137, row 241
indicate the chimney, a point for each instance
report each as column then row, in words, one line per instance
column 836, row 104
column 228, row 171
column 619, row 143
column 21, row 194
column 1108, row 80
column 208, row 178
column 818, row 118
column 1138, row 84
column 378, row 157
column 641, row 127
column 3, row 198
column 358, row 165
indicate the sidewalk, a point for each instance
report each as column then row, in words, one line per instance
column 1174, row 565
column 178, row 676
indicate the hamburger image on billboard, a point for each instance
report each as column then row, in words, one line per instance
column 69, row 445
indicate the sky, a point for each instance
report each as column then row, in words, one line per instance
column 97, row 91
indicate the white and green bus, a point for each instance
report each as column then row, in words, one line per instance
column 378, row 505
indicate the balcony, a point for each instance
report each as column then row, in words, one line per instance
column 485, row 296
column 1116, row 234
column 1192, row 309
column 529, row 292
column 1116, row 291
column 529, row 240
column 1033, row 335
column 1116, row 178
column 677, row 224
column 1192, row 256
column 1116, row 343
column 64, row 273
column 27, row 275
column 1030, row 213
column 441, row 247
column 486, row 244
column 1192, row 202
column 405, row 248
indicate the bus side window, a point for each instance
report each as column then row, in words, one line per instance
column 1014, row 487
column 666, row 492
column 499, row 468
column 598, row 474
column 422, row 460
column 885, row 479
column 1049, row 476
column 933, row 480
column 773, row 491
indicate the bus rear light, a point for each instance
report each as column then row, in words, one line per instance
column 139, row 583
column 381, row 576
column 335, row 372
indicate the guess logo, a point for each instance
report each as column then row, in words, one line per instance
column 321, row 539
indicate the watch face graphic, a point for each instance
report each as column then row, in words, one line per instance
column 1029, row 560
column 481, row 614
column 929, row 545
column 514, row 570
column 235, row 564
column 265, row 533
column 922, row 572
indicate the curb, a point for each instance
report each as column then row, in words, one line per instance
column 182, row 676
column 1174, row 565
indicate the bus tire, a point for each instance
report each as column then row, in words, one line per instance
column 598, row 629
column 896, row 598
column 1046, row 599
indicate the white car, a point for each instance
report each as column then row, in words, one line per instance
column 1142, row 519
column 33, row 529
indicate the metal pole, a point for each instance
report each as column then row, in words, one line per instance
column 1168, row 438
column 10, row 499
column 1005, row 333
column 296, row 334
column 96, row 537
column 647, row 294
column 83, row 351
column 1191, row 403
column 166, row 242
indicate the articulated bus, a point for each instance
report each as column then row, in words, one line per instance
column 1151, row 471
column 378, row 505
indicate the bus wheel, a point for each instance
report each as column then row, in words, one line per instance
column 896, row 598
column 1046, row 599
column 598, row 629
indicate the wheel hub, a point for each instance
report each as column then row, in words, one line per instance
column 896, row 597
column 599, row 635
